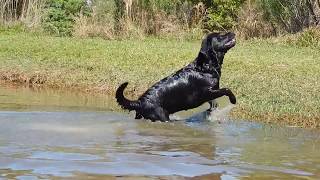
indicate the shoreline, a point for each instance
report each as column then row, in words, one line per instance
column 236, row 113
column 273, row 82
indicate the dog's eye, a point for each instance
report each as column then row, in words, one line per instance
column 216, row 39
column 219, row 38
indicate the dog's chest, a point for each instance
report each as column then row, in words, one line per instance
column 205, row 80
column 212, row 81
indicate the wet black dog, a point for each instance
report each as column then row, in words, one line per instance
column 189, row 87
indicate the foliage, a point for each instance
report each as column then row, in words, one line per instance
column 307, row 38
column 251, row 24
column 290, row 15
column 60, row 16
column 222, row 14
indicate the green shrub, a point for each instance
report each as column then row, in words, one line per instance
column 60, row 16
column 288, row 15
column 222, row 14
column 308, row 38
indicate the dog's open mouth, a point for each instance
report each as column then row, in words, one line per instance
column 231, row 43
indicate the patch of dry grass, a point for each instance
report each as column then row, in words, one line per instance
column 26, row 12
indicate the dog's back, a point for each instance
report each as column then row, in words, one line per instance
column 183, row 90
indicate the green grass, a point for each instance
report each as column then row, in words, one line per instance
column 273, row 82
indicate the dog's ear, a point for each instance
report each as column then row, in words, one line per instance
column 205, row 46
column 203, row 54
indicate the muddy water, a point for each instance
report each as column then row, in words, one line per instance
column 52, row 134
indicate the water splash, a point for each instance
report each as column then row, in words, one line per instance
column 220, row 114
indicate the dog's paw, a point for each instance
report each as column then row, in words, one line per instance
column 233, row 99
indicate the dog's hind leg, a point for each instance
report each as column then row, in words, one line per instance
column 156, row 114
column 162, row 115
column 138, row 116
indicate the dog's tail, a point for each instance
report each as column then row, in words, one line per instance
column 123, row 101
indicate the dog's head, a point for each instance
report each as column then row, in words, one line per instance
column 214, row 47
column 217, row 43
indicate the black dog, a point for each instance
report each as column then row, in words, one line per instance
column 189, row 87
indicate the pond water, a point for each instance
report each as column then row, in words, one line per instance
column 49, row 134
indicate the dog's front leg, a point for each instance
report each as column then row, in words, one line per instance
column 213, row 105
column 213, row 94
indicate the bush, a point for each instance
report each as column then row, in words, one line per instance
column 60, row 16
column 291, row 15
column 223, row 14
column 100, row 23
column 308, row 38
column 251, row 23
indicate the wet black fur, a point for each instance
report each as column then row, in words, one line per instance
column 189, row 87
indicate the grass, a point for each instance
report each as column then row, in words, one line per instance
column 273, row 82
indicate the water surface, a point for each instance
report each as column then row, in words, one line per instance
column 58, row 134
